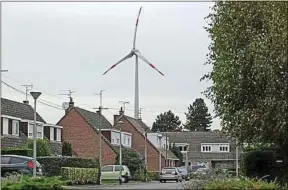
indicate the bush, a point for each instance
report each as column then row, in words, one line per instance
column 154, row 176
column 243, row 183
column 139, row 176
column 17, row 151
column 42, row 147
column 79, row 175
column 131, row 159
column 31, row 183
column 52, row 165
column 66, row 149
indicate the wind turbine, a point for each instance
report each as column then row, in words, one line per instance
column 135, row 52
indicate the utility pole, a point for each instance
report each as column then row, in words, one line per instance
column 27, row 86
column 100, row 137
column 124, row 103
column 166, row 146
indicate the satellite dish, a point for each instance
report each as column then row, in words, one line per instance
column 65, row 105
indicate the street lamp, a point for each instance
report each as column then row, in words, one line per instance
column 120, row 123
column 35, row 95
column 159, row 137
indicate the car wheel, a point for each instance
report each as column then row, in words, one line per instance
column 164, row 181
column 126, row 180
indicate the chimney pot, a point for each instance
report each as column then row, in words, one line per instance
column 121, row 112
column 26, row 102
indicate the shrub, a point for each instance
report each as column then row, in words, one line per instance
column 52, row 165
column 131, row 159
column 66, row 149
column 139, row 176
column 23, row 151
column 31, row 183
column 243, row 183
column 42, row 147
column 154, row 176
column 79, row 175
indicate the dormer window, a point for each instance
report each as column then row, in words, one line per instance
column 15, row 127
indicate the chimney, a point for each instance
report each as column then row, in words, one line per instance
column 121, row 112
column 71, row 105
column 26, row 102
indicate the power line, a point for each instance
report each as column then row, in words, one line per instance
column 40, row 100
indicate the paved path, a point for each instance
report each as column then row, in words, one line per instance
column 148, row 185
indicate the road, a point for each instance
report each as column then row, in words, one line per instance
column 140, row 185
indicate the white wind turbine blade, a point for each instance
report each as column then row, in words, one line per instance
column 147, row 62
column 123, row 59
column 136, row 27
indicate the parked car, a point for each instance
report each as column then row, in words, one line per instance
column 19, row 164
column 184, row 173
column 170, row 174
column 113, row 171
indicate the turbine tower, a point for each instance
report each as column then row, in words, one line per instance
column 135, row 52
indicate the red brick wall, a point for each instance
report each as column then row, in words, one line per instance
column 138, row 144
column 84, row 140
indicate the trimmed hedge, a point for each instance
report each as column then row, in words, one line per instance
column 52, row 165
column 79, row 175
column 154, row 176
column 19, row 182
column 244, row 183
column 17, row 151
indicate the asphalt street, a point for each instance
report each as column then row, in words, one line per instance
column 140, row 185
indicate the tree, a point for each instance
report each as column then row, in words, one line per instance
column 166, row 122
column 198, row 118
column 131, row 159
column 66, row 149
column 250, row 71
column 42, row 147
column 178, row 153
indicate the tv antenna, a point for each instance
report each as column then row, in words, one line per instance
column 28, row 87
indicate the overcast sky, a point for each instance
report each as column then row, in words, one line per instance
column 61, row 46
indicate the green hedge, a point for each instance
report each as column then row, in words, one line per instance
column 79, row 175
column 243, row 183
column 17, row 151
column 18, row 182
column 154, row 176
column 52, row 165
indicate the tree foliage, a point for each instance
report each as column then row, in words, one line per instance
column 198, row 118
column 166, row 122
column 66, row 149
column 42, row 147
column 131, row 159
column 250, row 71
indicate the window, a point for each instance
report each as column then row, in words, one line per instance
column 185, row 148
column 39, row 131
column 52, row 133
column 117, row 168
column 30, row 130
column 15, row 160
column 15, row 127
column 128, row 141
column 5, row 159
column 107, row 169
column 206, row 148
column 112, row 140
column 223, row 148
column 58, row 134
column 118, row 141
column 124, row 140
column 180, row 147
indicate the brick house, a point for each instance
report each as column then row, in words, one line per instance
column 139, row 131
column 213, row 149
column 81, row 129
column 17, row 121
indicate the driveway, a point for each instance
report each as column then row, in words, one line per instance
column 140, row 185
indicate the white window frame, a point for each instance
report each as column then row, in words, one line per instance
column 224, row 148
column 52, row 133
column 206, row 148
column 39, row 130
column 15, row 127
column 129, row 141
column 58, row 135
column 30, row 131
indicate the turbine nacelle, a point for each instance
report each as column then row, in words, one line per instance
column 134, row 51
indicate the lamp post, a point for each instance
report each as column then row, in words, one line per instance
column 159, row 137
column 35, row 95
column 120, row 123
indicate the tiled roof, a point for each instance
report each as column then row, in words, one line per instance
column 13, row 141
column 194, row 139
column 93, row 119
column 170, row 154
column 20, row 110
column 139, row 124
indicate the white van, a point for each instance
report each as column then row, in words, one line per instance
column 113, row 171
